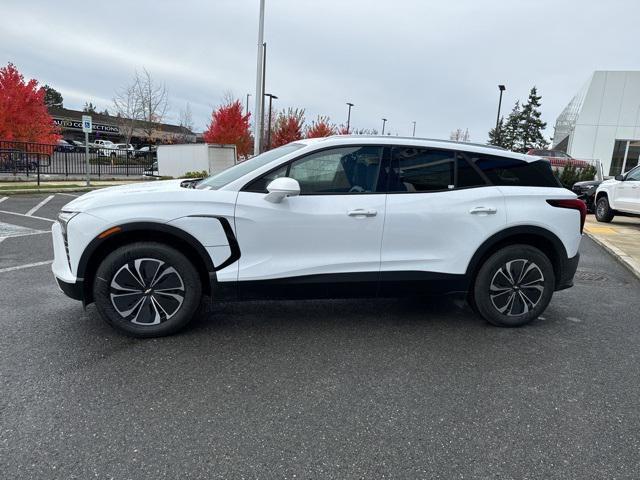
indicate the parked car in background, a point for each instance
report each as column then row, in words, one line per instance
column 151, row 171
column 99, row 143
column 333, row 217
column 144, row 151
column 118, row 150
column 587, row 191
column 620, row 195
column 64, row 146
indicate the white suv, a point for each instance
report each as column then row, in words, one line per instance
column 334, row 217
column 620, row 195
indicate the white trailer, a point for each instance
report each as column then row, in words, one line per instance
column 176, row 160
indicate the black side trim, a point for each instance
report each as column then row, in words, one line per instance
column 568, row 272
column 231, row 238
column 354, row 285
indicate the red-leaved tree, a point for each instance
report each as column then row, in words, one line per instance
column 23, row 113
column 230, row 126
column 288, row 128
column 321, row 127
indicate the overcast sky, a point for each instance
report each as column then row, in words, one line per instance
column 435, row 62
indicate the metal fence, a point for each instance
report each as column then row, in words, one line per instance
column 25, row 158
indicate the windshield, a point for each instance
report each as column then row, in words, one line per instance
column 231, row 174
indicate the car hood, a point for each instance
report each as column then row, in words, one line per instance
column 122, row 194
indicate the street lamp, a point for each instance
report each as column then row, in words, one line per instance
column 257, row 125
column 271, row 97
column 248, row 95
column 502, row 88
column 384, row 121
column 349, row 116
column 414, row 128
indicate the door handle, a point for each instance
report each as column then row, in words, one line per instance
column 361, row 212
column 483, row 210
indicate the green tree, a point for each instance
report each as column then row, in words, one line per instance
column 494, row 135
column 510, row 134
column 531, row 124
column 52, row 97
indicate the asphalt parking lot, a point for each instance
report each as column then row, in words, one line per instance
column 315, row 389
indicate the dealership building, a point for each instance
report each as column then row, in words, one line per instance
column 602, row 122
column 108, row 127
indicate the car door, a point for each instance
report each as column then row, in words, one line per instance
column 440, row 209
column 632, row 191
column 325, row 241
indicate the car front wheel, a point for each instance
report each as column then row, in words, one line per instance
column 514, row 286
column 147, row 289
column 604, row 213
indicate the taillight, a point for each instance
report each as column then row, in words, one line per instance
column 573, row 204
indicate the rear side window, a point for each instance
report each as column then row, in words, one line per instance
column 421, row 170
column 512, row 172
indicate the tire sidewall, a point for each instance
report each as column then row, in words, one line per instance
column 492, row 265
column 607, row 215
column 116, row 259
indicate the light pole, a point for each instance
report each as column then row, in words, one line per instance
column 414, row 128
column 349, row 116
column 384, row 121
column 257, row 125
column 502, row 88
column 248, row 95
column 271, row 97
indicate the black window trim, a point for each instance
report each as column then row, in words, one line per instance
column 288, row 163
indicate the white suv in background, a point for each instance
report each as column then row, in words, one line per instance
column 335, row 217
column 620, row 195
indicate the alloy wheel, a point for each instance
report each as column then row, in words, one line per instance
column 147, row 291
column 517, row 287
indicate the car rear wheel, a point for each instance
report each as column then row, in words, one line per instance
column 514, row 286
column 604, row 213
column 147, row 289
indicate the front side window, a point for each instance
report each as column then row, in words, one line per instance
column 634, row 175
column 337, row 170
column 415, row 169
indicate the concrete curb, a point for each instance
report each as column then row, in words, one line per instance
column 626, row 260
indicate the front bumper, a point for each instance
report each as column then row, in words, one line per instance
column 567, row 272
column 67, row 282
column 72, row 290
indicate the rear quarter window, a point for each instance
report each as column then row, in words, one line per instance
column 504, row 171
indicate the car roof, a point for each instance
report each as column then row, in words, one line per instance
column 337, row 140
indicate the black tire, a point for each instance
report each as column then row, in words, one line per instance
column 162, row 311
column 518, row 302
column 604, row 212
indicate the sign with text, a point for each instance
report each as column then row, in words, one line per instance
column 77, row 125
column 86, row 124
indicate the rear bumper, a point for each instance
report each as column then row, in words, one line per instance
column 567, row 272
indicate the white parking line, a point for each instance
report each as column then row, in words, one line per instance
column 68, row 194
column 3, row 199
column 2, row 239
column 28, row 265
column 39, row 206
column 28, row 216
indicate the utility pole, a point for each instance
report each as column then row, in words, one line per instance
column 264, row 80
column 257, row 125
column 271, row 98
column 414, row 128
column 384, row 121
column 349, row 116
column 502, row 88
column 248, row 95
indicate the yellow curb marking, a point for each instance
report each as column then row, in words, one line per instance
column 607, row 230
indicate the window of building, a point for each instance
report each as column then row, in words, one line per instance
column 617, row 159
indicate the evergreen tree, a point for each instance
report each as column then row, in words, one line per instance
column 494, row 136
column 510, row 134
column 531, row 124
column 52, row 97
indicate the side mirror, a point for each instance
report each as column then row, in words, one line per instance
column 619, row 178
column 280, row 188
